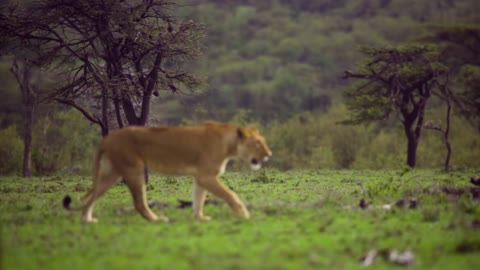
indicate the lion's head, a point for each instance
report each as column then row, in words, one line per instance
column 252, row 147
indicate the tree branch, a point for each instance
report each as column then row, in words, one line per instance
column 87, row 115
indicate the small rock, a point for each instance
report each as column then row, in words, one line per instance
column 367, row 260
column 313, row 259
column 406, row 258
column 387, row 206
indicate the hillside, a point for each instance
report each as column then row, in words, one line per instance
column 277, row 58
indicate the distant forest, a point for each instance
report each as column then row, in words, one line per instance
column 275, row 59
column 293, row 68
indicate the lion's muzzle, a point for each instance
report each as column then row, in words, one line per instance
column 260, row 162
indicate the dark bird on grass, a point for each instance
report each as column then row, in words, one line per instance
column 158, row 204
column 475, row 180
column 400, row 203
column 184, row 204
column 412, row 204
column 363, row 204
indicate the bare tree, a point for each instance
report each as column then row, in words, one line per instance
column 111, row 55
column 446, row 95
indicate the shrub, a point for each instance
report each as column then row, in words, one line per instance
column 345, row 145
column 315, row 141
column 11, row 149
column 385, row 150
column 67, row 143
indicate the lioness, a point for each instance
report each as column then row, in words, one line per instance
column 201, row 151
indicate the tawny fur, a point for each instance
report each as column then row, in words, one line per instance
column 200, row 151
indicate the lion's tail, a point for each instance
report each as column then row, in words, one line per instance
column 67, row 200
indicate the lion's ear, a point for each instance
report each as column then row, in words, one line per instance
column 240, row 133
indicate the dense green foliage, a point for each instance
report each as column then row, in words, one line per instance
column 279, row 65
column 300, row 220
column 10, row 150
column 279, row 58
column 319, row 141
column 67, row 143
column 62, row 142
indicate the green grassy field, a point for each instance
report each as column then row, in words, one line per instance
column 300, row 220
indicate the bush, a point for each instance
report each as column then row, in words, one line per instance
column 65, row 142
column 294, row 141
column 385, row 150
column 11, row 151
column 345, row 146
column 315, row 141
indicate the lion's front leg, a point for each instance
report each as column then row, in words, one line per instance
column 218, row 189
column 135, row 182
column 199, row 201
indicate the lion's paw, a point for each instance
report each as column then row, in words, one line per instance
column 161, row 219
column 164, row 219
column 90, row 220
column 243, row 213
column 203, row 218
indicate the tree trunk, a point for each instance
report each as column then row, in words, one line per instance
column 131, row 115
column 133, row 120
column 118, row 113
column 105, row 127
column 23, row 75
column 449, row 153
column 129, row 111
column 412, row 143
column 412, row 124
column 446, row 137
column 27, row 140
column 412, row 152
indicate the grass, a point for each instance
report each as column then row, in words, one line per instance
column 300, row 220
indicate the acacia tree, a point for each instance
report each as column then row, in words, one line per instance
column 399, row 81
column 111, row 55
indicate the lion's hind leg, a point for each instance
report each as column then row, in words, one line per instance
column 104, row 180
column 138, row 189
column 87, row 211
